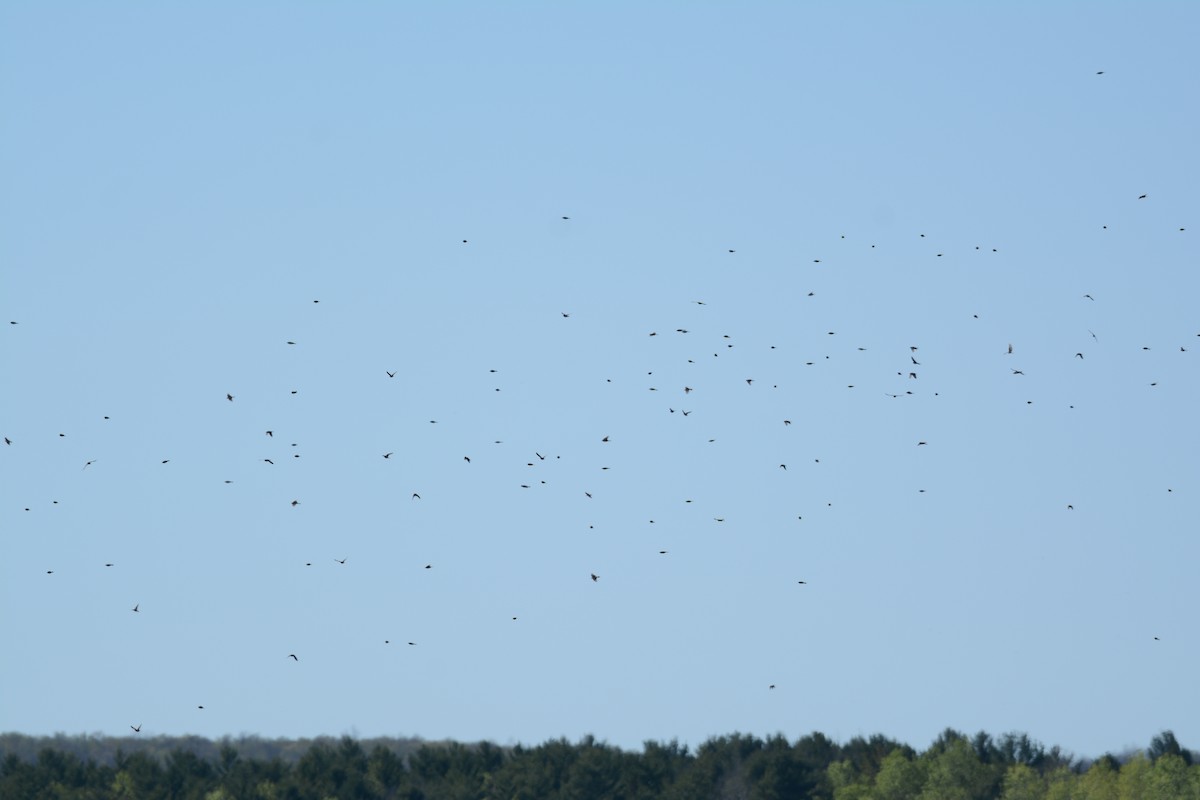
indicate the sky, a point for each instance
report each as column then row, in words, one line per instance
column 598, row 367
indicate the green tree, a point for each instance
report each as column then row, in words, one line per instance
column 900, row 777
column 1062, row 784
column 956, row 773
column 386, row 774
column 778, row 771
column 1169, row 779
column 595, row 774
column 1165, row 744
column 1100, row 781
column 848, row 783
column 1134, row 778
column 1022, row 782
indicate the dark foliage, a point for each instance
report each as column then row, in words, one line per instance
column 726, row 767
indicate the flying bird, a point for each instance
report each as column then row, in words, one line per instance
column 229, row 397
column 388, row 455
column 1010, row 349
column 292, row 656
column 137, row 728
column 135, row 607
column 416, row 496
column 595, row 577
column 390, row 374
column 340, row 560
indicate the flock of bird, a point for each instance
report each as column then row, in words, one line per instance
column 908, row 373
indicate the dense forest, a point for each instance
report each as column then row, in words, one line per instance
column 954, row 767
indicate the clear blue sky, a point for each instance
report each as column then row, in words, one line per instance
column 180, row 183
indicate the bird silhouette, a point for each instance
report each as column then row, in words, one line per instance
column 229, row 397
column 340, row 560
column 293, row 656
column 595, row 577
column 390, row 374
column 416, row 496
column 137, row 728
column 388, row 455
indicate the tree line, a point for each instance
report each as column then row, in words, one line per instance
column 734, row 767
